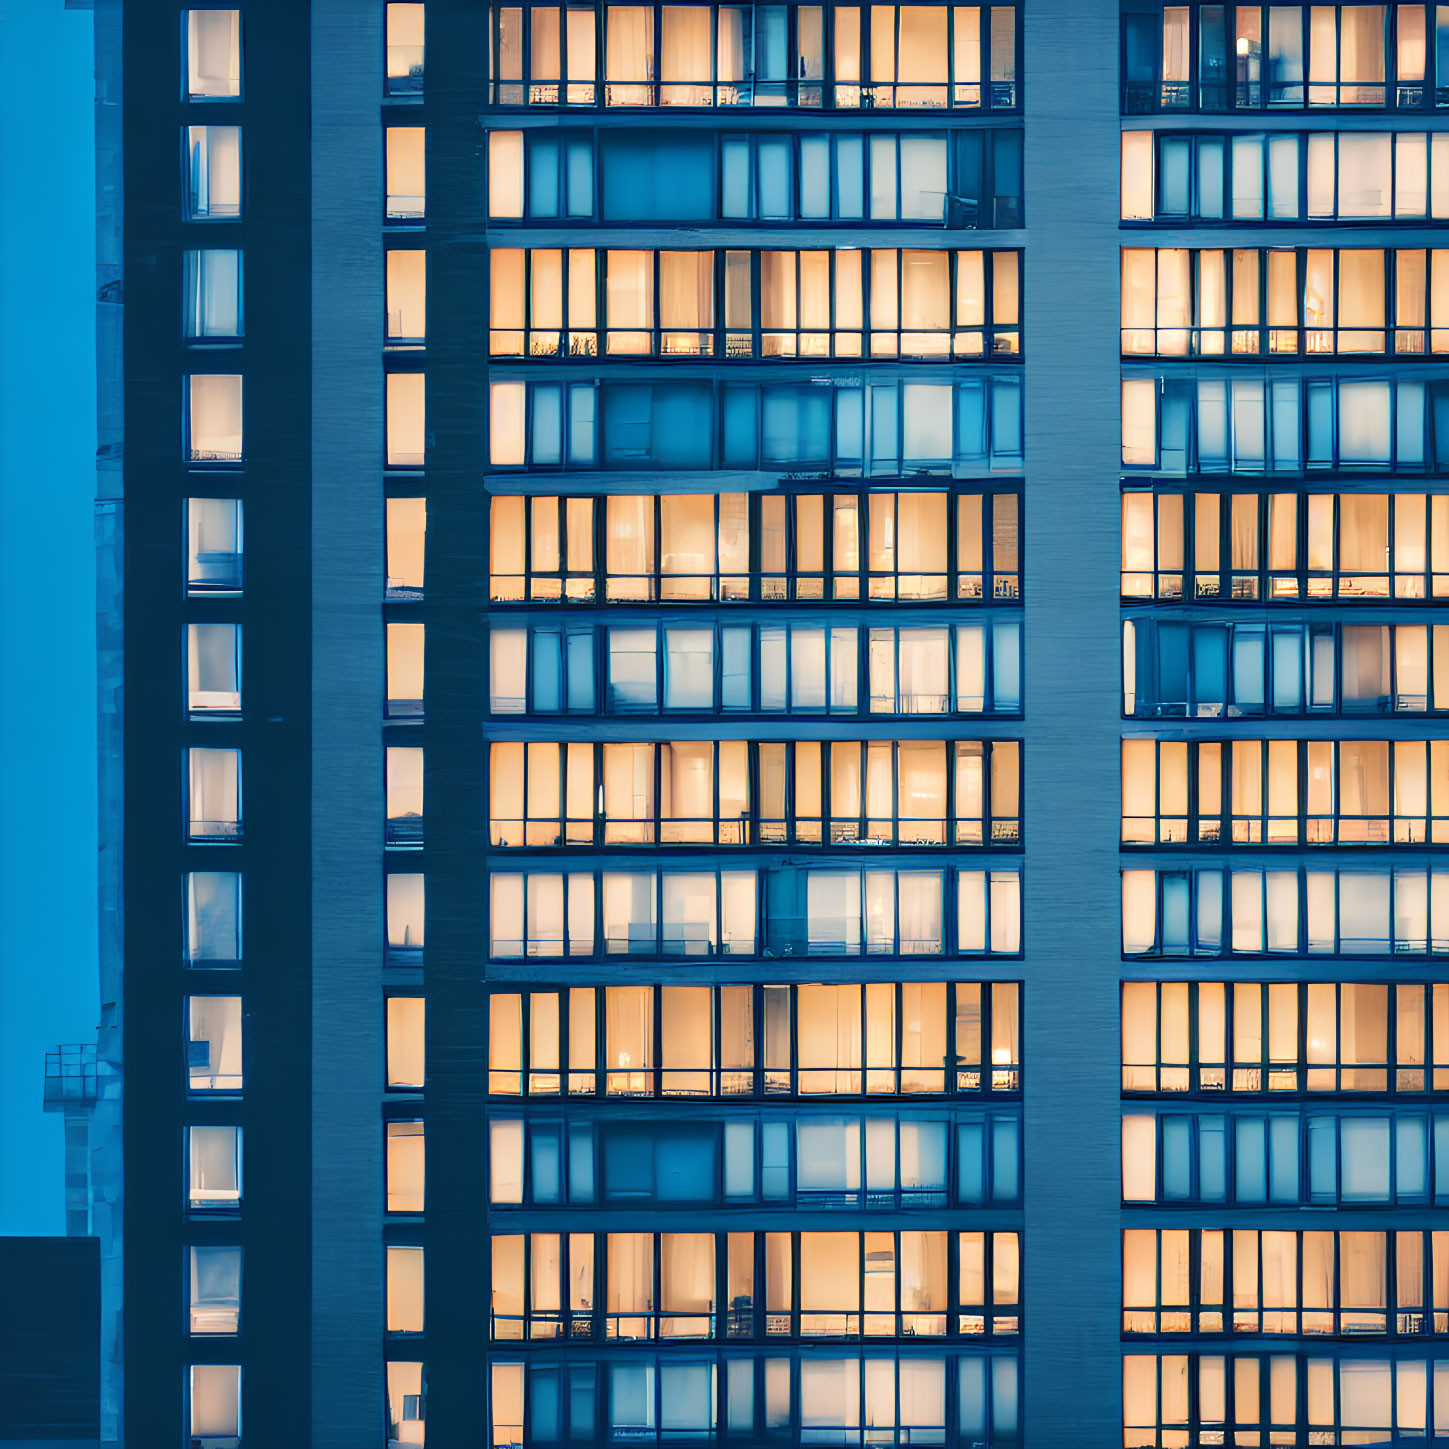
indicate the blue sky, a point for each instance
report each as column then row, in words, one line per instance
column 48, row 982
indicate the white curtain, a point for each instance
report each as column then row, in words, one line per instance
column 213, row 293
column 629, row 55
column 213, row 51
column 685, row 61
column 215, row 1165
column 215, row 171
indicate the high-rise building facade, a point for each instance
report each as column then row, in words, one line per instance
column 1285, row 767
column 783, row 751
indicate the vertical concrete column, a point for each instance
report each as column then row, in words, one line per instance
column 1071, row 1389
column 346, row 1370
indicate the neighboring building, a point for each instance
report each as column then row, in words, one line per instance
column 50, row 1343
column 1285, row 762
column 72, row 1086
column 690, row 876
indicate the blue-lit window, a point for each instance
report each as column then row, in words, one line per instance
column 1222, row 58
column 887, row 911
column 1323, row 911
column 1285, row 176
column 1173, row 669
column 1367, row 1159
column 930, row 427
column 894, row 1397
column 800, row 669
column 1235, row 422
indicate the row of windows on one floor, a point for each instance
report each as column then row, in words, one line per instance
column 212, row 52
column 1284, row 301
column 685, row 548
column 1233, row 671
column 1285, row 176
column 215, row 1282
column 1215, row 1037
column 824, row 1039
column 956, row 1400
column 1204, row 423
column 962, row 179
column 744, row 792
column 881, row 1398
column 804, row 793
column 213, row 810
column 1353, row 1284
column 920, row 1283
column 970, row 669
column 971, row 428
column 692, row 1164
column 1286, row 1159
column 963, row 427
column 1289, row 912
column 806, row 912
column 804, row 669
column 1172, row 1401
column 1209, row 545
column 1285, row 792
column 1210, row 57
column 584, row 914
column 681, row 1166
column 754, row 1167
column 847, row 57
column 908, row 547
column 881, row 302
column 635, row 1286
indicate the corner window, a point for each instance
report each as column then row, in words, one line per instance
column 214, row 418
column 213, row 54
column 214, row 1044
column 213, row 545
column 213, row 296
column 213, row 157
